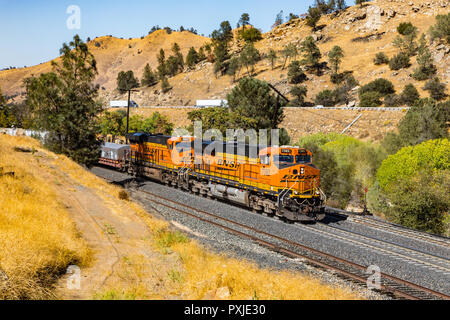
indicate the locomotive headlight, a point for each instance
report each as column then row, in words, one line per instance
column 302, row 171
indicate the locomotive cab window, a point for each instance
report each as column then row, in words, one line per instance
column 303, row 158
column 265, row 160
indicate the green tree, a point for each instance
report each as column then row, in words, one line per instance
column 311, row 54
column 162, row 70
column 426, row 68
column 149, row 78
column 192, row 57
column 165, row 85
column 313, row 17
column 295, row 73
column 325, row 98
column 410, row 95
column 126, row 81
column 341, row 5
column 249, row 57
column 234, row 67
column 415, row 181
column 112, row 123
column 406, row 41
column 178, row 56
column 253, row 99
column 335, row 57
column 436, row 89
column 289, row 51
column 244, row 20
column 7, row 118
column 250, row 35
column 220, row 40
column 157, row 123
column 400, row 61
column 426, row 120
column 272, row 57
column 299, row 93
column 441, row 30
column 65, row 103
column 380, row 85
column 370, row 99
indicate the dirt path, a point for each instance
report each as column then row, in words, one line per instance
column 120, row 241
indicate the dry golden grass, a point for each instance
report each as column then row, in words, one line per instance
column 38, row 241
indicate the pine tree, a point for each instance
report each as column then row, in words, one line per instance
column 426, row 69
column 162, row 70
column 313, row 17
column 299, row 92
column 192, row 57
column 249, row 57
column 409, row 95
column 335, row 56
column 165, row 85
column 341, row 5
column 244, row 20
column 289, row 51
column 149, row 78
column 436, row 89
column 65, row 103
column 295, row 73
column 178, row 55
column 234, row 67
column 272, row 57
column 311, row 54
column 126, row 81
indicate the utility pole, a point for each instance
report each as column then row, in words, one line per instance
column 128, row 110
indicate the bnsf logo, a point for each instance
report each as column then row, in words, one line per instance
column 295, row 177
column 229, row 164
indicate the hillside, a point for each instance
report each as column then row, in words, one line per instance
column 360, row 31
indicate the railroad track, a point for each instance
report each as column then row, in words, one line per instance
column 391, row 249
column 398, row 287
column 395, row 229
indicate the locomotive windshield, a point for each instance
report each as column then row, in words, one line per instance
column 283, row 160
column 304, row 158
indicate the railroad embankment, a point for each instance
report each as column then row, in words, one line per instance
column 371, row 126
column 56, row 216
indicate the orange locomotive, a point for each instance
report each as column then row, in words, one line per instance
column 279, row 181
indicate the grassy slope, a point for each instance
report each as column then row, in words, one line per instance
column 38, row 241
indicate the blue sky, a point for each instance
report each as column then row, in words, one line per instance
column 33, row 31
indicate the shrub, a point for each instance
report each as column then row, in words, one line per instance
column 409, row 95
column 165, row 85
column 392, row 100
column 299, row 92
column 406, row 28
column 380, row 85
column 123, row 195
column 400, row 61
column 295, row 73
column 441, row 29
column 415, row 183
column 430, row 155
column 381, row 58
column 426, row 67
column 325, row 98
column 250, row 35
column 370, row 99
column 436, row 89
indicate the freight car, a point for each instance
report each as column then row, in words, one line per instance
column 279, row 181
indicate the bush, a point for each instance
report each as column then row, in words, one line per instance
column 399, row 61
column 393, row 100
column 123, row 195
column 436, row 89
column 406, row 28
column 381, row 58
column 415, row 183
column 441, row 29
column 370, row 99
column 299, row 92
column 431, row 155
column 380, row 85
column 325, row 98
column 250, row 35
column 295, row 73
column 409, row 95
